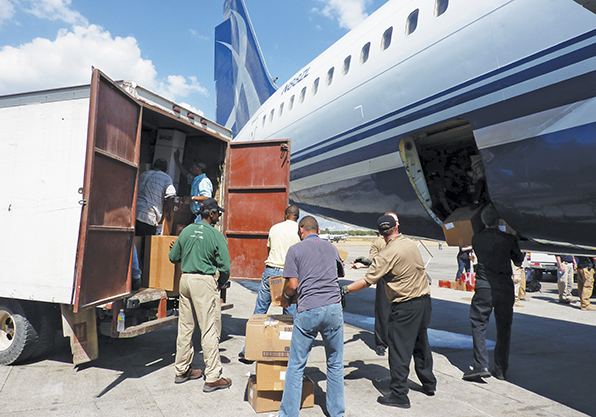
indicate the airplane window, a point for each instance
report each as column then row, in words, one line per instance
column 441, row 7
column 364, row 53
column 329, row 79
column 291, row 103
column 302, row 95
column 346, row 67
column 271, row 115
column 386, row 41
column 315, row 87
column 412, row 22
column 281, row 109
column 264, row 118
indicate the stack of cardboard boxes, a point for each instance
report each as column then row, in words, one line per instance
column 268, row 340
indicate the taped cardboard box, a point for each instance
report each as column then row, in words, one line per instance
column 276, row 286
column 268, row 337
column 158, row 271
column 271, row 376
column 461, row 225
column 263, row 401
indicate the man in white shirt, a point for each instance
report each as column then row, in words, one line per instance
column 155, row 186
column 281, row 237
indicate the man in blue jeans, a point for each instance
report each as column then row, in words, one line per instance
column 281, row 237
column 312, row 268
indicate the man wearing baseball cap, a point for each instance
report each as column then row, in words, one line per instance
column 205, row 263
column 400, row 266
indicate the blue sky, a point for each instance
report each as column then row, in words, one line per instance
column 164, row 46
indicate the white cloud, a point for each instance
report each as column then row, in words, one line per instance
column 54, row 10
column 348, row 13
column 66, row 61
column 6, row 11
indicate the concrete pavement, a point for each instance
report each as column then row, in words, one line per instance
column 552, row 364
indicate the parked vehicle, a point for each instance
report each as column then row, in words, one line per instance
column 71, row 158
column 542, row 263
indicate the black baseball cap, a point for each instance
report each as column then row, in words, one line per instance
column 210, row 204
column 386, row 222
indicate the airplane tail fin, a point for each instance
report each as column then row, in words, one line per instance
column 242, row 80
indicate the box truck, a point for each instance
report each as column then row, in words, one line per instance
column 71, row 159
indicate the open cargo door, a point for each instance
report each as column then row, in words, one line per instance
column 257, row 192
column 108, row 195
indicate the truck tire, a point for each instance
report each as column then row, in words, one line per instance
column 45, row 319
column 17, row 335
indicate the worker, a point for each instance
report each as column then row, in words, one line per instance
column 205, row 263
column 155, row 187
column 399, row 265
column 201, row 187
column 312, row 268
column 494, row 291
column 382, row 304
column 281, row 237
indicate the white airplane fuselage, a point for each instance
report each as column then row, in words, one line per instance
column 516, row 77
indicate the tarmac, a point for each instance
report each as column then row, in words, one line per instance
column 552, row 367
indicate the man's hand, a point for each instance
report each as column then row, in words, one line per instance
column 172, row 243
column 344, row 290
column 284, row 301
column 357, row 265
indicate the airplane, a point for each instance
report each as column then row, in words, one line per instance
column 429, row 106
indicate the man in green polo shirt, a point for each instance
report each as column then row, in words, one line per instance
column 205, row 262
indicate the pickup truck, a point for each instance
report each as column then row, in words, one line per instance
column 541, row 263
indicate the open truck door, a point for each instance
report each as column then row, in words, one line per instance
column 257, row 192
column 107, row 220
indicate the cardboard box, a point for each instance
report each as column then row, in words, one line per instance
column 276, row 286
column 343, row 255
column 263, row 401
column 271, row 376
column 268, row 337
column 461, row 225
column 158, row 271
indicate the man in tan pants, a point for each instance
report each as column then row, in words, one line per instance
column 585, row 281
column 205, row 262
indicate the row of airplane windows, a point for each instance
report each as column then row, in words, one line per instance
column 411, row 24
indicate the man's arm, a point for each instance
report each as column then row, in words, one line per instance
column 183, row 170
column 175, row 251
column 223, row 260
column 289, row 291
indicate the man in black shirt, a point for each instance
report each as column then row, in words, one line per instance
column 585, row 281
column 494, row 290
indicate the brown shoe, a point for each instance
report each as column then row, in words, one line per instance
column 589, row 307
column 190, row 374
column 219, row 384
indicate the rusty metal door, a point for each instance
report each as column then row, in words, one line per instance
column 257, row 192
column 108, row 195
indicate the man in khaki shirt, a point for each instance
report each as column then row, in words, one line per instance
column 401, row 268
column 382, row 303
